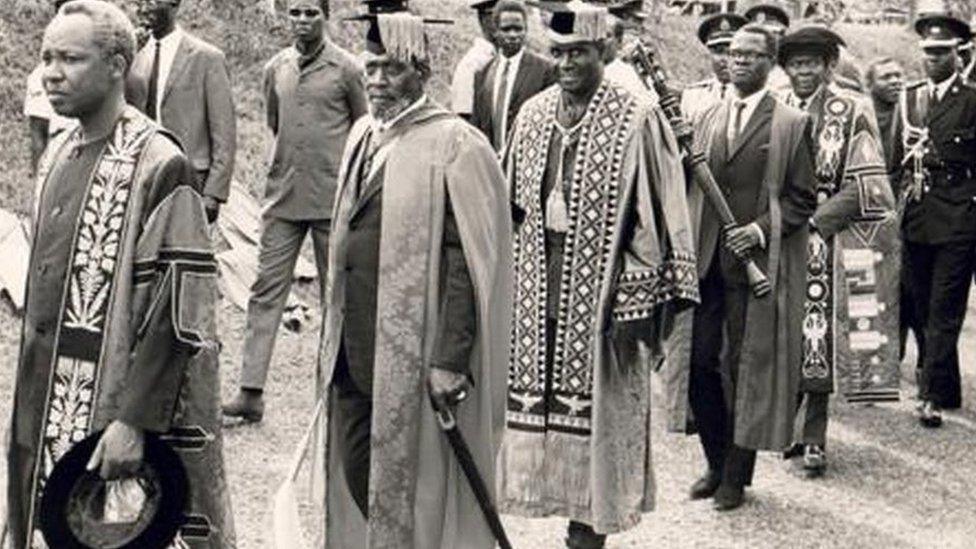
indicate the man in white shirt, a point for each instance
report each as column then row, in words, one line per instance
column 478, row 56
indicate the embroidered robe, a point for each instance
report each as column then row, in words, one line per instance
column 850, row 324
column 578, row 423
column 418, row 496
column 120, row 321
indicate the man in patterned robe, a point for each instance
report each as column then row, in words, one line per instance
column 602, row 246
column 851, row 309
column 119, row 328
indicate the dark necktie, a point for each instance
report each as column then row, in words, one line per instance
column 737, row 121
column 501, row 104
column 151, row 98
column 721, row 93
column 369, row 149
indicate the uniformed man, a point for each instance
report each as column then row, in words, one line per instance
column 937, row 152
column 772, row 16
column 715, row 32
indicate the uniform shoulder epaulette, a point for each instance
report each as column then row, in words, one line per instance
column 916, row 84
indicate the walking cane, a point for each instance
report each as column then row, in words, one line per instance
column 448, row 424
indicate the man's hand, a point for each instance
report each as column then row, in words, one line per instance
column 119, row 452
column 447, row 388
column 212, row 206
column 739, row 240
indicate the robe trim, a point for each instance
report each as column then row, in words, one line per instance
column 640, row 293
column 92, row 270
column 594, row 204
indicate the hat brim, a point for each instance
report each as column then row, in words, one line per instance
column 173, row 488
column 567, row 39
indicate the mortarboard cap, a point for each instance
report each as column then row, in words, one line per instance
column 813, row 39
column 765, row 13
column 940, row 30
column 627, row 9
column 483, row 5
column 375, row 7
column 717, row 29
column 395, row 31
column 575, row 21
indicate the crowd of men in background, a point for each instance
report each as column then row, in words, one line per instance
column 526, row 257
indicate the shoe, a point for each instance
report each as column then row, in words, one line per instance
column 814, row 460
column 930, row 415
column 728, row 497
column 247, row 405
column 794, row 451
column 582, row 536
column 705, row 487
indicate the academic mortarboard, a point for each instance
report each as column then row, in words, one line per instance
column 483, row 5
column 575, row 21
column 942, row 31
column 627, row 9
column 80, row 510
column 765, row 13
column 395, row 31
column 717, row 29
column 813, row 39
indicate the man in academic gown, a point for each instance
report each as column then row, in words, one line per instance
column 417, row 309
column 742, row 350
column 119, row 324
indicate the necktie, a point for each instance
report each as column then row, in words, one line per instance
column 501, row 106
column 737, row 121
column 803, row 104
column 151, row 98
column 366, row 164
column 721, row 93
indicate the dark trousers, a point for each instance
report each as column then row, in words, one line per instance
column 812, row 418
column 719, row 323
column 353, row 414
column 908, row 319
column 939, row 277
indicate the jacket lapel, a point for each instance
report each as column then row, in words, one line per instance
column 938, row 109
column 719, row 146
column 762, row 112
column 180, row 63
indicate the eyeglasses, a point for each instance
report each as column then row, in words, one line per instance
column 309, row 13
column 746, row 55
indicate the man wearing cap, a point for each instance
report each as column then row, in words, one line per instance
column 119, row 332
column 513, row 76
column 715, row 32
column 738, row 369
column 418, row 309
column 183, row 83
column 602, row 248
column 775, row 19
column 313, row 95
column 854, row 219
column 936, row 120
column 478, row 56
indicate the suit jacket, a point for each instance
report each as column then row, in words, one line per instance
column 947, row 209
column 740, row 170
column 535, row 73
column 197, row 106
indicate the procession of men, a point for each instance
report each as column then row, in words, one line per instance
column 501, row 278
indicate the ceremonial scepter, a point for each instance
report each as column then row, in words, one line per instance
column 646, row 65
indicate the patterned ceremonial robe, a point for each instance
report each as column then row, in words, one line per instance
column 851, row 310
column 418, row 497
column 578, row 438
column 119, row 322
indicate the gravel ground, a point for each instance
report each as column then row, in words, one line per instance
column 890, row 483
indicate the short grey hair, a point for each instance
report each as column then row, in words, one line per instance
column 872, row 71
column 772, row 42
column 114, row 32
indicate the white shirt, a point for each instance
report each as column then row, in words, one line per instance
column 942, row 88
column 462, row 84
column 167, row 52
column 794, row 100
column 513, row 67
column 623, row 73
column 751, row 103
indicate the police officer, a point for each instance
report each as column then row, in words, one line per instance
column 715, row 32
column 772, row 16
column 937, row 151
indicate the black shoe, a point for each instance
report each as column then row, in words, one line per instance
column 247, row 405
column 794, row 451
column 729, row 497
column 930, row 415
column 705, row 487
column 814, row 460
column 582, row 536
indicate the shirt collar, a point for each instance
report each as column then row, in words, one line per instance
column 942, row 87
column 170, row 39
column 513, row 60
column 752, row 100
column 385, row 126
column 796, row 99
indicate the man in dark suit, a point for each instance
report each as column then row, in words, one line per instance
column 939, row 224
column 759, row 152
column 514, row 76
column 183, row 83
